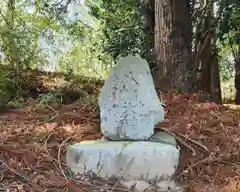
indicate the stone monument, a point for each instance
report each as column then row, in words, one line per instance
column 129, row 149
column 129, row 105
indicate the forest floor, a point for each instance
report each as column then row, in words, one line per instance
column 34, row 139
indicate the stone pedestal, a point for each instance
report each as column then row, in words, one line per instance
column 130, row 160
column 129, row 149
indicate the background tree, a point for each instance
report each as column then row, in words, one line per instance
column 190, row 45
column 173, row 36
column 205, row 52
column 229, row 36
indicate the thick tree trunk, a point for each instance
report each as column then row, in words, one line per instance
column 172, row 43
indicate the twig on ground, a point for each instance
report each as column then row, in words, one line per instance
column 11, row 188
column 54, row 116
column 119, row 189
column 186, row 145
column 45, row 147
column 114, row 187
column 185, row 138
column 180, row 140
column 195, row 142
column 195, row 164
column 88, row 184
column 15, row 172
column 59, row 158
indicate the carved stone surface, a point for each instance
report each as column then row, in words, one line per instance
column 129, row 105
column 132, row 160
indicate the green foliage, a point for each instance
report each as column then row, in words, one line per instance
column 229, row 37
column 17, row 102
column 226, row 63
column 229, row 28
column 230, row 22
column 228, row 44
column 18, row 36
column 117, row 30
column 122, row 27
column 50, row 98
column 87, row 57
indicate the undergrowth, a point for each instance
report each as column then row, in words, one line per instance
column 17, row 89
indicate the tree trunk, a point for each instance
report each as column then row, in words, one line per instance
column 206, row 55
column 215, row 78
column 147, row 18
column 237, row 79
column 172, row 43
column 205, row 48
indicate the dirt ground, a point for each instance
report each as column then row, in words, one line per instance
column 33, row 142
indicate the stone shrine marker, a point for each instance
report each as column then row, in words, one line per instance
column 129, row 109
column 129, row 105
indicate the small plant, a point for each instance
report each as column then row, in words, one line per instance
column 16, row 103
column 89, row 100
column 50, row 98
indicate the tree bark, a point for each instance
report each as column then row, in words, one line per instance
column 147, row 18
column 207, row 55
column 172, row 43
column 215, row 78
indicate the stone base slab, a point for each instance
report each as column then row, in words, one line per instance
column 139, row 160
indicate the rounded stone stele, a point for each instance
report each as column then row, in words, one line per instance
column 129, row 105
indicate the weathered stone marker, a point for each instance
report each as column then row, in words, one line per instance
column 129, row 105
column 129, row 109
